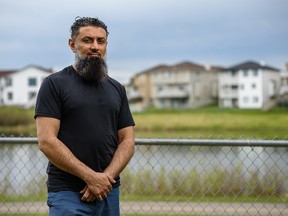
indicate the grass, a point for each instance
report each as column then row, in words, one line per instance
column 16, row 121
column 217, row 185
column 213, row 123
column 207, row 122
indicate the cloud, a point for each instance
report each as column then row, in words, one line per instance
column 145, row 33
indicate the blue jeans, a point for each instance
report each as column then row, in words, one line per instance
column 68, row 203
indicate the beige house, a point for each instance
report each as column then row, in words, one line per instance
column 180, row 86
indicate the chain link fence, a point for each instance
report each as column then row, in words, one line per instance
column 166, row 177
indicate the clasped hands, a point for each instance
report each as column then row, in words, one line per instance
column 98, row 187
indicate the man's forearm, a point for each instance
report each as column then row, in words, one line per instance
column 59, row 155
column 121, row 158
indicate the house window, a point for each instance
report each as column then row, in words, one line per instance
column 8, row 81
column 245, row 99
column 10, row 96
column 31, row 95
column 255, row 99
column 255, row 73
column 253, row 86
column 162, row 103
column 159, row 88
column 182, row 87
column 245, row 73
column 32, row 82
column 167, row 75
column 233, row 73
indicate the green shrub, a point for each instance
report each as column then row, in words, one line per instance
column 212, row 184
column 14, row 116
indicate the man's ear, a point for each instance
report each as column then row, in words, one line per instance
column 71, row 43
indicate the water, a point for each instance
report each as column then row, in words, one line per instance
column 20, row 165
column 23, row 166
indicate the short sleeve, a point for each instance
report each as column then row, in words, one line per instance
column 125, row 116
column 48, row 101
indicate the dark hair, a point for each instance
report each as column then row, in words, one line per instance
column 86, row 21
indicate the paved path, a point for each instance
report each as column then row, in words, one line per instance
column 181, row 208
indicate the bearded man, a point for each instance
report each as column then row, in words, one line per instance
column 84, row 128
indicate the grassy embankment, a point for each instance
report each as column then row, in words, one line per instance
column 208, row 122
column 212, row 122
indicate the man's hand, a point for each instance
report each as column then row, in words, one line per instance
column 98, row 187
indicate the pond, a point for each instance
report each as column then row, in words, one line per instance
column 23, row 164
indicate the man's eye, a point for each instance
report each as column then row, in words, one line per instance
column 86, row 40
column 101, row 41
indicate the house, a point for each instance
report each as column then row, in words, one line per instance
column 283, row 93
column 180, row 86
column 249, row 85
column 20, row 87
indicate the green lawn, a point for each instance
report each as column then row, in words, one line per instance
column 208, row 122
column 212, row 122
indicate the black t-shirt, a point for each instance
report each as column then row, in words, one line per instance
column 90, row 116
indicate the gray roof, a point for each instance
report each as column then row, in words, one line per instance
column 251, row 65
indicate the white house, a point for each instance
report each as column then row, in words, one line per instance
column 249, row 85
column 20, row 87
column 283, row 100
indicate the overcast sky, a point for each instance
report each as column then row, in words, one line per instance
column 145, row 33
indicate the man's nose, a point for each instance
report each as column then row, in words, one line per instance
column 95, row 45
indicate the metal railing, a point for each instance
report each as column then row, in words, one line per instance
column 166, row 176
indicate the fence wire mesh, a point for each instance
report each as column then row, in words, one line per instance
column 166, row 177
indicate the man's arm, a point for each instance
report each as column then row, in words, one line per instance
column 123, row 153
column 58, row 154
column 120, row 159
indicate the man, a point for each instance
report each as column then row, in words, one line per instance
column 85, row 128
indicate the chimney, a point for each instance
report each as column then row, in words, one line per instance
column 263, row 63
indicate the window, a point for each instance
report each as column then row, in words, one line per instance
column 245, row 73
column 167, row 75
column 246, row 99
column 32, row 82
column 162, row 103
column 255, row 99
column 182, row 87
column 10, row 96
column 255, row 73
column 253, row 86
column 31, row 95
column 8, row 81
column 159, row 88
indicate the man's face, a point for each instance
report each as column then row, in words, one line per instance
column 90, row 52
column 90, row 42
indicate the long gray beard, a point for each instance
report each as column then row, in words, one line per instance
column 91, row 69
